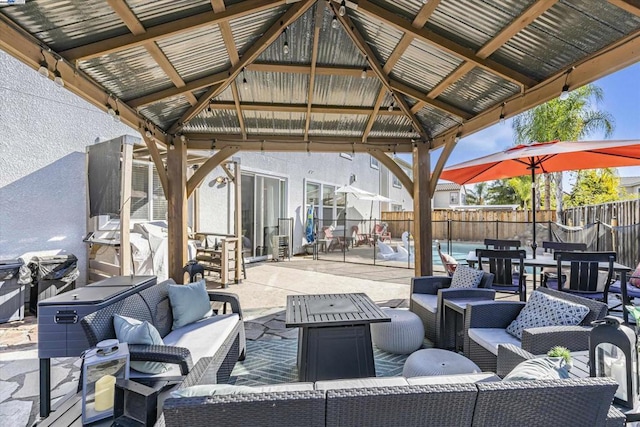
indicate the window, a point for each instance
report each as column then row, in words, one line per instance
column 347, row 156
column 454, row 198
column 147, row 198
column 374, row 163
column 396, row 182
column 328, row 209
column 396, row 207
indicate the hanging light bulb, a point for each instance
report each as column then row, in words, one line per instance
column 363, row 74
column 343, row 8
column 564, row 95
column 58, row 77
column 110, row 110
column 147, row 133
column 334, row 22
column 171, row 146
column 44, row 69
column 116, row 117
column 501, row 118
column 209, row 108
column 425, row 1
column 457, row 138
column 245, row 84
column 285, row 46
column 391, row 106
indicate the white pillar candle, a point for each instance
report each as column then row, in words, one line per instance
column 105, row 391
column 619, row 373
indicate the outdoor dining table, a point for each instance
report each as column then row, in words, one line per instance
column 335, row 335
column 547, row 261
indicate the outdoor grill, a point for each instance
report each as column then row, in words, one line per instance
column 59, row 331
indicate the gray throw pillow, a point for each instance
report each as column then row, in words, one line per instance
column 189, row 303
column 541, row 368
column 211, row 390
column 466, row 277
column 546, row 310
column 133, row 331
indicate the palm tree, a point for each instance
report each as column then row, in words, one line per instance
column 478, row 195
column 570, row 120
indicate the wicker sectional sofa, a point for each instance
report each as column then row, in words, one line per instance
column 220, row 338
column 458, row 400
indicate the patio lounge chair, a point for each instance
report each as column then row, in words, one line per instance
column 486, row 323
column 428, row 294
column 381, row 234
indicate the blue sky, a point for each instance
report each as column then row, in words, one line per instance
column 621, row 99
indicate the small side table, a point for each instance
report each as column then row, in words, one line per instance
column 453, row 323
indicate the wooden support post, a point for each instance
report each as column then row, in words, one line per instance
column 422, row 210
column 237, row 223
column 125, row 203
column 177, row 208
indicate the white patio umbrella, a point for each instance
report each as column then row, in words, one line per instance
column 376, row 198
column 350, row 189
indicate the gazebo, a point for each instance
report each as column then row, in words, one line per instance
column 379, row 77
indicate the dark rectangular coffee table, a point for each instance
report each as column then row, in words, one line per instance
column 335, row 336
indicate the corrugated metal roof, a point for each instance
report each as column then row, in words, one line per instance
column 472, row 23
column 337, row 125
column 346, row 90
column 197, row 53
column 218, row 121
column 65, row 24
column 249, row 29
column 227, row 94
column 127, row 74
column 299, row 38
column 391, row 126
column 423, row 66
column 405, row 8
column 383, row 39
column 155, row 12
column 558, row 37
column 274, row 123
column 164, row 114
column 335, row 47
column 436, row 120
column 478, row 90
column 280, row 88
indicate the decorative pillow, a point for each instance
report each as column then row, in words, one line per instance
column 635, row 277
column 449, row 263
column 211, row 390
column 133, row 331
column 546, row 310
column 189, row 303
column 466, row 277
column 541, row 368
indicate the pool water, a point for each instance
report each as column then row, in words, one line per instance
column 460, row 250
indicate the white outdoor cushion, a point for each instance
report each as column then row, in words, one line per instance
column 489, row 338
column 220, row 389
column 481, row 377
column 546, row 310
column 283, row 387
column 428, row 301
column 466, row 277
column 361, row 383
column 203, row 338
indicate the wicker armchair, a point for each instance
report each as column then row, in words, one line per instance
column 499, row 314
column 428, row 294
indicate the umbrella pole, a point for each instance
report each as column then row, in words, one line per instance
column 534, row 245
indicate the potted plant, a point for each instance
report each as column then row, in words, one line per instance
column 561, row 355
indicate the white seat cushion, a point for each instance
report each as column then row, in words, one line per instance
column 203, row 339
column 427, row 301
column 489, row 338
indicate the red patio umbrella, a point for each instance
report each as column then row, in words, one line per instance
column 545, row 157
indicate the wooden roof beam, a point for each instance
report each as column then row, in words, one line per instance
column 232, row 50
column 526, row 18
column 23, row 46
column 135, row 26
column 631, row 6
column 169, row 29
column 269, row 36
column 362, row 45
column 442, row 43
column 314, row 59
column 610, row 59
column 321, row 145
column 302, row 108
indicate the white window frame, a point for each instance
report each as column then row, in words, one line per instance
column 395, row 181
column 374, row 163
column 347, row 156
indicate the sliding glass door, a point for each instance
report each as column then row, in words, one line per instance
column 263, row 202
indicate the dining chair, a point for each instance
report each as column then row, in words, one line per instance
column 633, row 288
column 585, row 277
column 548, row 275
column 501, row 263
column 501, row 244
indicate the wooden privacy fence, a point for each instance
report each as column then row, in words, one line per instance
column 471, row 226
